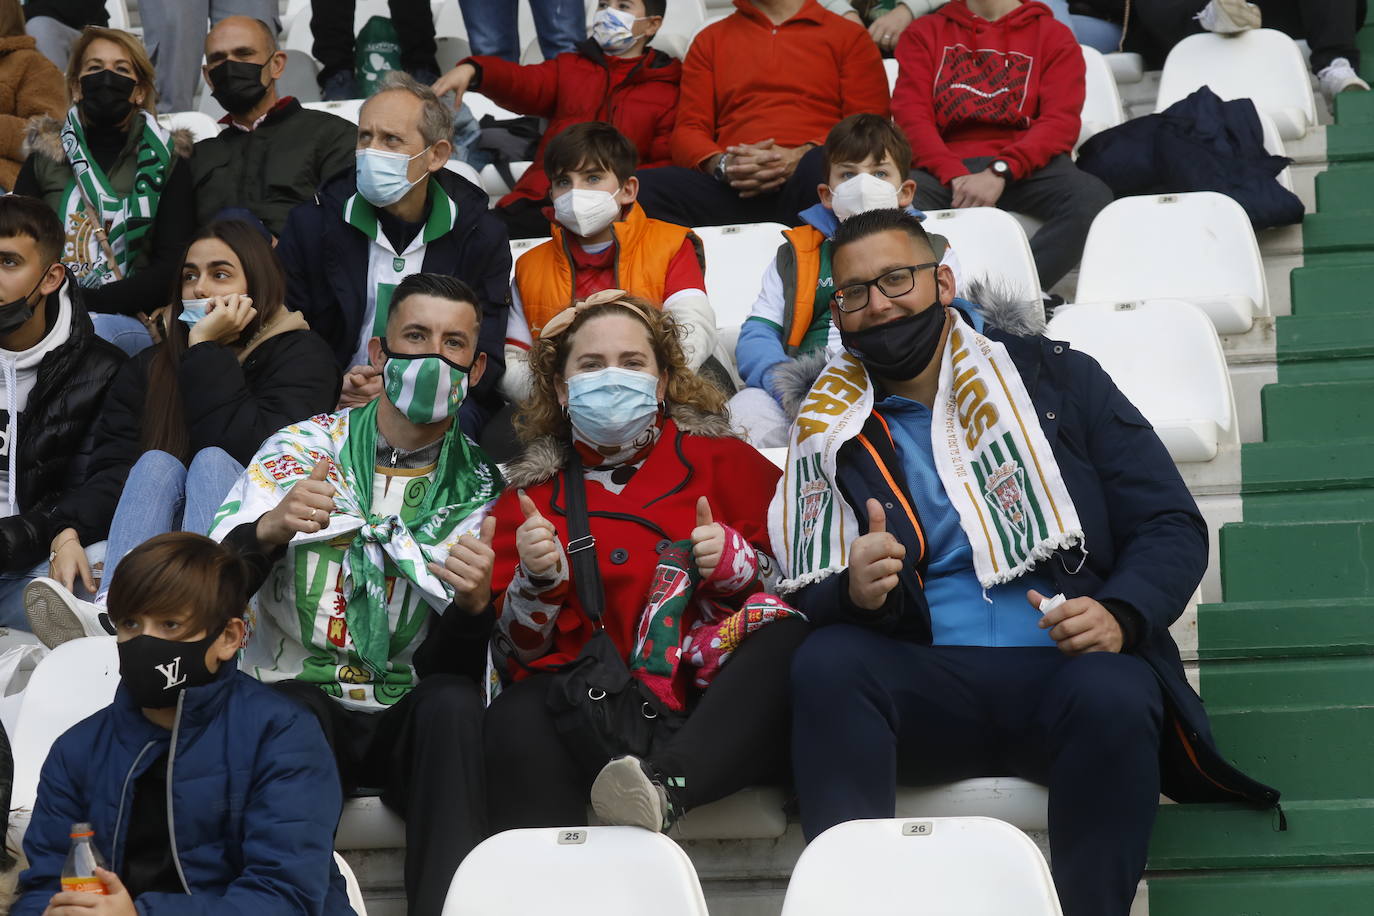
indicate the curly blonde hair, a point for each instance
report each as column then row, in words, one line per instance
column 542, row 415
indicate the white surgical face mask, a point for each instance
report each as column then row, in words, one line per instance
column 860, row 194
column 383, row 177
column 584, row 212
column 614, row 30
column 193, row 310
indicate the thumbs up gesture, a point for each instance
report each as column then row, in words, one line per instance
column 708, row 539
column 536, row 540
column 874, row 561
column 306, row 508
column 468, row 568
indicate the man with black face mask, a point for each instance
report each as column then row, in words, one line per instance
column 991, row 543
column 272, row 154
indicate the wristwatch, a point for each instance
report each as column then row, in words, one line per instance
column 719, row 172
column 1001, row 168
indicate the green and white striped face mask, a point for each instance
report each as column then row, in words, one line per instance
column 425, row 387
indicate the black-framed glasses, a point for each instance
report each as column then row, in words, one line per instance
column 896, row 282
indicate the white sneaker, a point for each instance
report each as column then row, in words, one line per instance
column 1337, row 77
column 1229, row 17
column 57, row 616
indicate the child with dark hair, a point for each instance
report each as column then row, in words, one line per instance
column 183, row 418
column 612, row 76
column 603, row 240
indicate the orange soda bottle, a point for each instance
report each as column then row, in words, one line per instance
column 78, row 874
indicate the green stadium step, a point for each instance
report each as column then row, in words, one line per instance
column 1316, row 627
column 1277, row 562
column 1344, row 231
column 1325, row 832
column 1310, row 753
column 1343, row 505
column 1345, row 187
column 1307, row 464
column 1347, row 142
column 1330, row 410
column 1278, row 892
column 1355, row 107
column 1324, row 347
column 1340, row 290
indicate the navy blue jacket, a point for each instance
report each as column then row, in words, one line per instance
column 254, row 802
column 326, row 260
column 1146, row 544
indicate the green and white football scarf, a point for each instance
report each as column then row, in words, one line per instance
column 990, row 454
column 126, row 219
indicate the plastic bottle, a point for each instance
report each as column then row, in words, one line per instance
column 78, row 874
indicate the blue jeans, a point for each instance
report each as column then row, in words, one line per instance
column 123, row 331
column 493, row 26
column 161, row 495
column 1098, row 34
column 12, row 587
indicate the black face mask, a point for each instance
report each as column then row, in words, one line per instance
column 156, row 670
column 237, row 85
column 901, row 348
column 16, row 312
column 105, row 97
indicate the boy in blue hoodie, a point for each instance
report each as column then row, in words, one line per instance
column 866, row 161
column 208, row 792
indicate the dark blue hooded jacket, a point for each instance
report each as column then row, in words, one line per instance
column 254, row 801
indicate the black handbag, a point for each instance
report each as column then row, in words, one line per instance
column 599, row 709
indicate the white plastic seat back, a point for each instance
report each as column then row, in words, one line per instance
column 1102, row 104
column 355, row 892
column 201, row 125
column 936, row 866
column 348, row 109
column 119, row 14
column 518, row 247
column 736, row 257
column 1273, row 145
column 299, row 36
column 1199, row 246
column 77, row 679
column 1262, row 64
column 582, row 871
column 893, row 68
column 992, row 248
column 1126, row 66
column 299, row 77
column 681, row 22
column 1165, row 356
column 459, row 167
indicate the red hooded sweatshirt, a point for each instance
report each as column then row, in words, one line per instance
column 968, row 87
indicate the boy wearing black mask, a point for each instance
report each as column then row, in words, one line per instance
column 197, row 780
column 272, row 154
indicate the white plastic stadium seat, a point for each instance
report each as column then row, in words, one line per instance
column 1273, row 145
column 1126, row 66
column 459, row 167
column 1102, row 104
column 1022, row 804
column 736, row 257
column 355, row 893
column 941, row 866
column 1262, row 64
column 992, row 248
column 119, row 14
column 201, row 125
column 582, row 871
column 1165, row 356
column 893, row 68
column 681, row 22
column 1200, row 247
column 299, row 77
column 348, row 109
column 298, row 34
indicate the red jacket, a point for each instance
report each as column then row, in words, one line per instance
column 658, row 505
column 968, row 87
column 638, row 96
column 747, row 80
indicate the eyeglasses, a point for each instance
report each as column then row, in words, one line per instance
column 894, row 283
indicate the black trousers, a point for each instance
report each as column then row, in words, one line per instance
column 735, row 736
column 870, row 712
column 1062, row 195
column 424, row 753
column 524, row 218
column 331, row 23
column 1328, row 25
column 692, row 198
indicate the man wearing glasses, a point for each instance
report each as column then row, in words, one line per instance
column 991, row 543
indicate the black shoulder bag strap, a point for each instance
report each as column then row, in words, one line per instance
column 586, row 572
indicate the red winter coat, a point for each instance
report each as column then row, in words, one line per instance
column 656, row 507
column 638, row 96
column 968, row 87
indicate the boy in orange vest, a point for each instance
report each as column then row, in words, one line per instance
column 866, row 161
column 603, row 240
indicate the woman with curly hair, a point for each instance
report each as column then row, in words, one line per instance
column 677, row 506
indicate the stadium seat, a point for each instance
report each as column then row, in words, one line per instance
column 1199, row 247
column 297, row 32
column 582, row 871
column 1022, row 804
column 1262, row 64
column 936, row 865
column 681, row 22
column 1273, row 144
column 736, row 257
column 1127, row 67
column 299, row 77
column 992, row 247
column 118, row 11
column 348, row 109
column 1102, row 104
column 892, row 68
column 1165, row 356
column 449, row 49
column 355, row 893
column 201, row 125
column 459, row 167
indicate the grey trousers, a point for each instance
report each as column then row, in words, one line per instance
column 1060, row 195
column 54, row 39
column 174, row 33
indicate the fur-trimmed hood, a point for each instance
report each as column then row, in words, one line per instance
column 546, row 456
column 43, row 135
column 996, row 302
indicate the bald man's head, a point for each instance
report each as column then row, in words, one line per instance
column 242, row 66
column 239, row 33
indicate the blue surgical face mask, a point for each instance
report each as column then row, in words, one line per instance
column 612, row 406
column 383, row 178
column 193, row 310
column 612, row 29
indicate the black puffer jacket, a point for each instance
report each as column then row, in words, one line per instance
column 56, row 434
